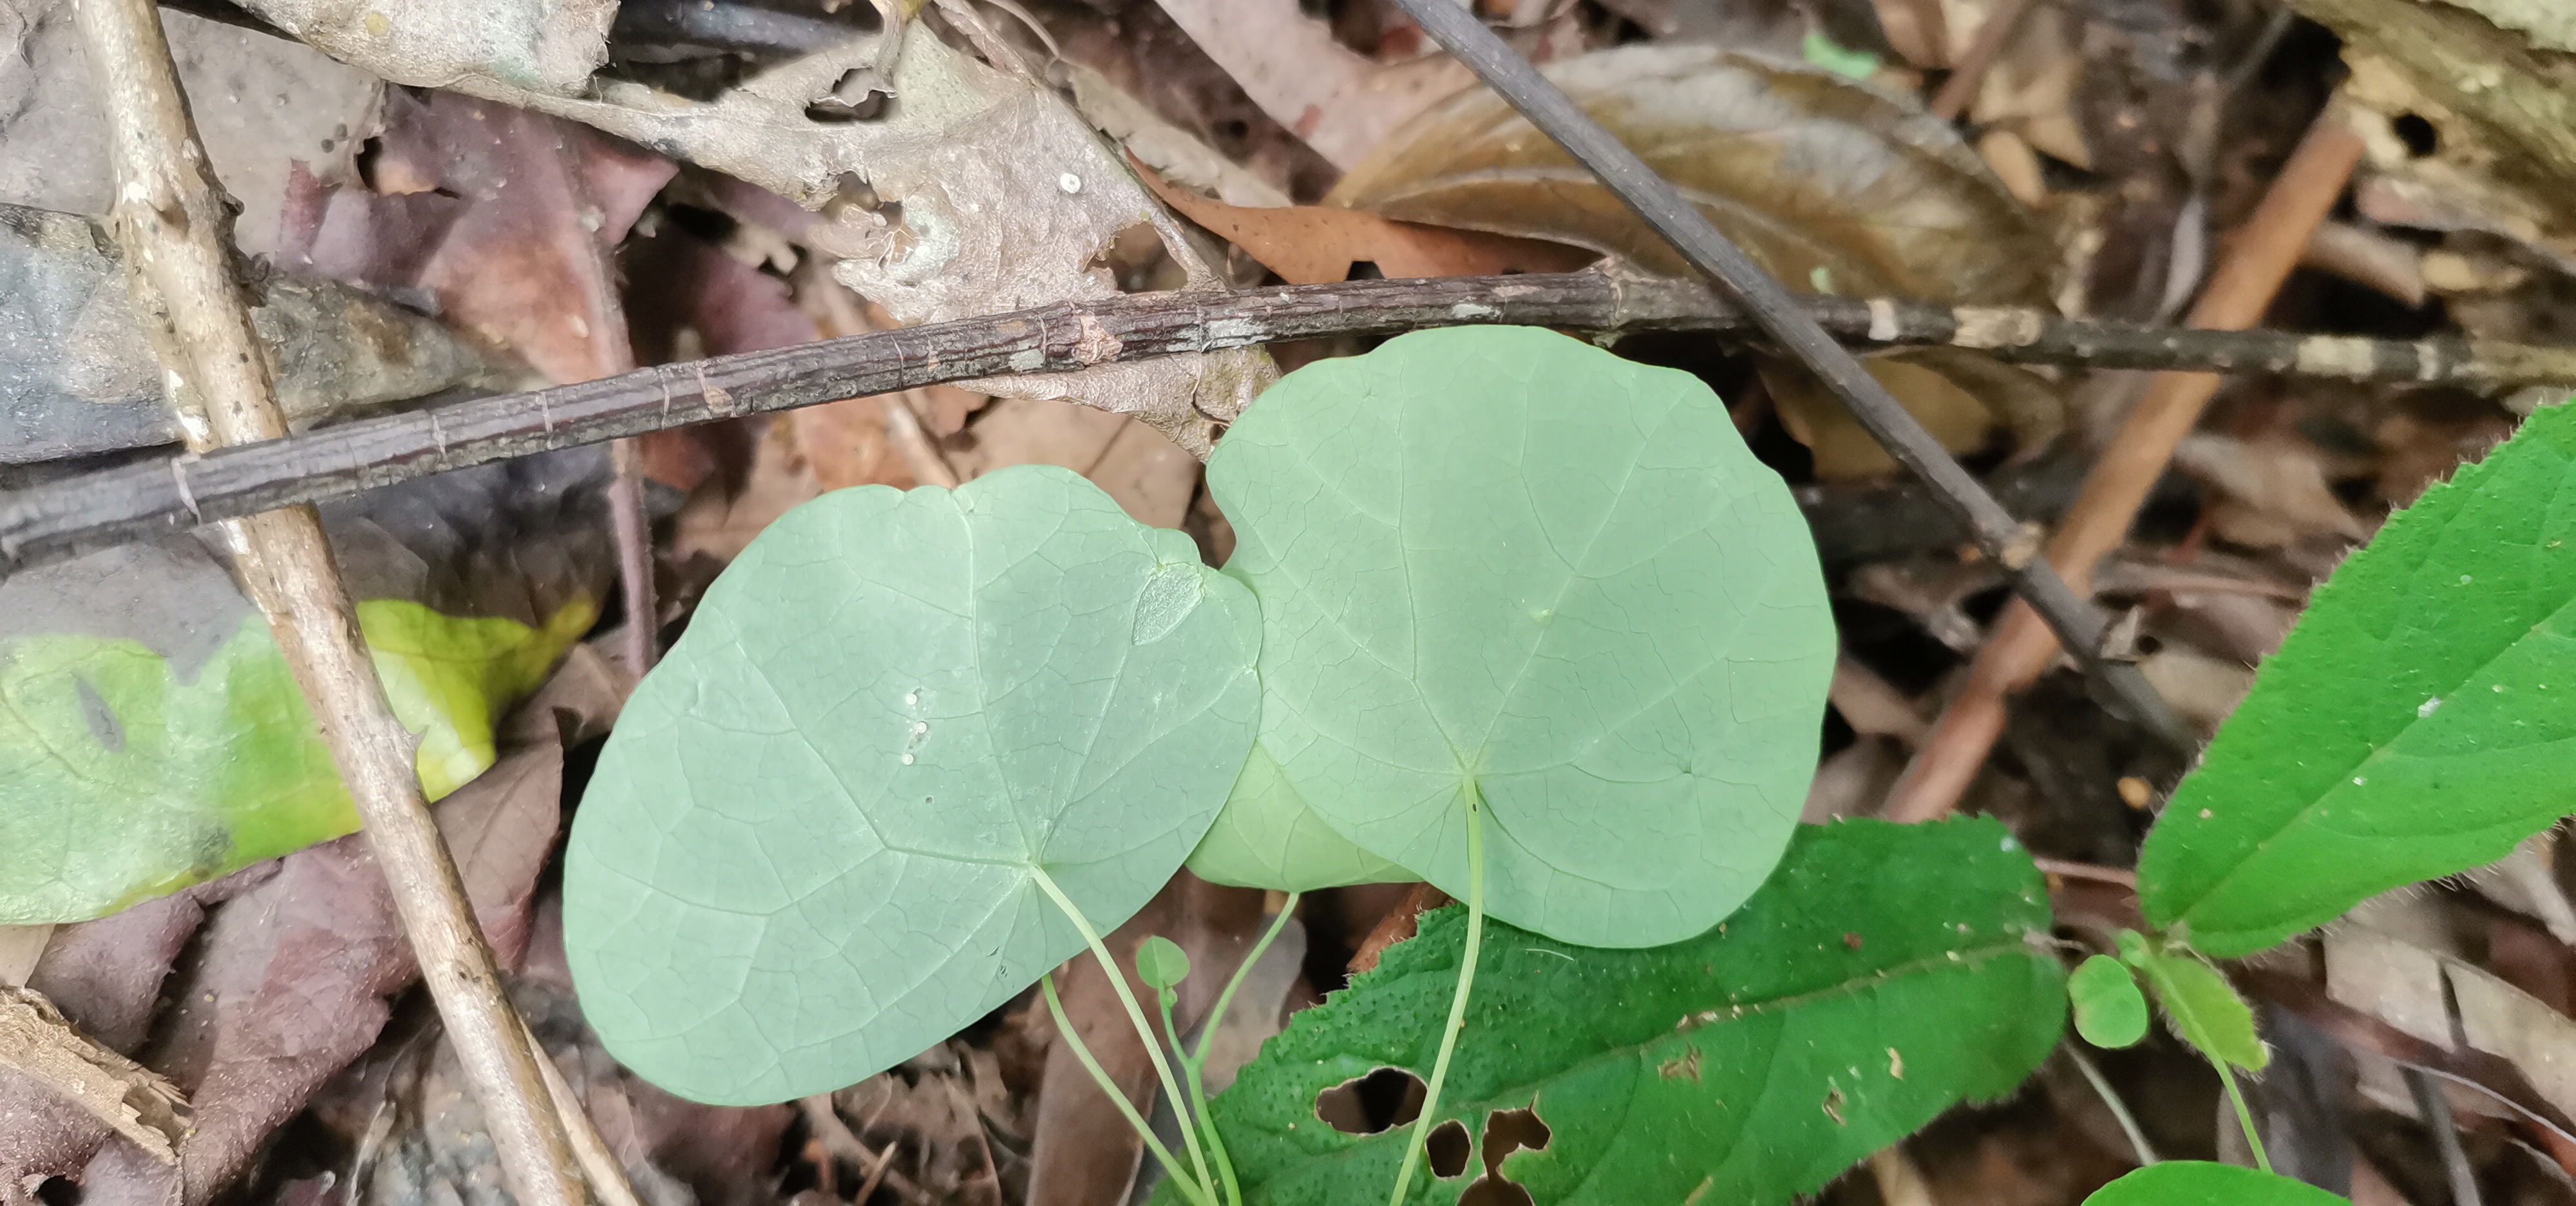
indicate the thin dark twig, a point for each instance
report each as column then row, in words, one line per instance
column 2079, row 624
column 154, row 497
column 2434, row 1103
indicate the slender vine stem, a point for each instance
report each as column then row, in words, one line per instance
column 1118, row 1097
column 2244, row 1116
column 1457, row 1002
column 1196, row 1112
column 1136, row 1015
column 1195, row 1062
column 2119, row 1109
column 1225, row 1000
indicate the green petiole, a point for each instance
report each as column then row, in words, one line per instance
column 1205, row 1185
column 2244, row 1116
column 1457, row 1002
column 1180, row 1176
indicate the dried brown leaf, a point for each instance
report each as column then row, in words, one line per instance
column 1829, row 185
column 2274, row 491
column 1844, row 450
column 513, row 239
column 1340, row 101
column 1318, row 244
column 547, row 45
column 135, row 1101
column 262, row 105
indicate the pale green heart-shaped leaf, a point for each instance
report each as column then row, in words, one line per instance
column 2419, row 721
column 2110, row 1012
column 810, row 850
column 2200, row 1183
column 1884, row 974
column 1501, row 561
column 1161, row 963
column 1268, row 838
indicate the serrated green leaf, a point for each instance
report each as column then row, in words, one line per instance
column 1495, row 559
column 1161, row 963
column 121, row 780
column 2110, row 1012
column 2200, row 1183
column 1268, row 838
column 2420, row 720
column 1885, row 973
column 2204, row 1009
column 811, row 846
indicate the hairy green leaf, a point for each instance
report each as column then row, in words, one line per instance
column 1885, row 973
column 2420, row 720
column 2200, row 1183
column 1267, row 837
column 2204, row 1008
column 1501, row 561
column 2110, row 1012
column 811, row 846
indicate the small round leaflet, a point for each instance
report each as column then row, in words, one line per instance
column 812, row 844
column 1496, row 563
column 2110, row 1011
column 1161, row 963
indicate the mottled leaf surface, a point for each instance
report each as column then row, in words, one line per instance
column 1267, row 837
column 808, row 852
column 152, row 738
column 1501, row 561
column 2201, row 1183
column 1885, row 973
column 2419, row 721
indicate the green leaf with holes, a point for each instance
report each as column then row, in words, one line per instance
column 2200, row 1183
column 2419, row 721
column 1884, row 973
column 1268, row 837
column 1499, row 563
column 811, row 848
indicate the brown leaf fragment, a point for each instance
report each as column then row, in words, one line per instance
column 1318, row 244
column 510, row 240
column 1831, row 186
column 139, row 1103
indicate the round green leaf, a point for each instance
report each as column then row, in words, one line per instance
column 2110, row 1012
column 2200, row 1183
column 1498, row 563
column 1268, row 837
column 1161, row 963
column 810, row 848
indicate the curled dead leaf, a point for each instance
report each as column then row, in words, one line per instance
column 1827, row 183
